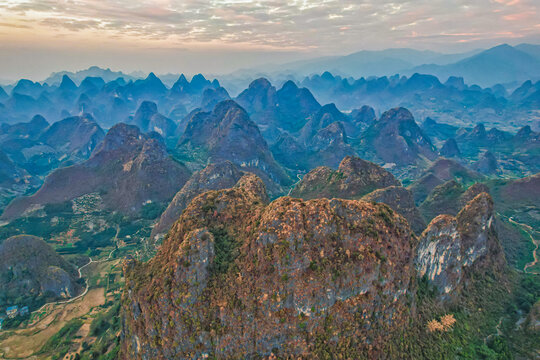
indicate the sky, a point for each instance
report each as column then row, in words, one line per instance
column 38, row 37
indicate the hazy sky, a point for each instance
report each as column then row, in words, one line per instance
column 219, row 36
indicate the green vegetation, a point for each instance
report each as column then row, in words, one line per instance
column 59, row 344
column 226, row 250
column 105, row 328
column 152, row 210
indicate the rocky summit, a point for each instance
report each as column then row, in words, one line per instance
column 400, row 200
column 354, row 178
column 360, row 179
column 452, row 248
column 240, row 278
column 213, row 177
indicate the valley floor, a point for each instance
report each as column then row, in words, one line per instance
column 33, row 341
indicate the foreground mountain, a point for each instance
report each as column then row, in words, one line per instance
column 237, row 276
column 31, row 271
column 360, row 179
column 353, row 179
column 231, row 255
column 451, row 249
column 127, row 170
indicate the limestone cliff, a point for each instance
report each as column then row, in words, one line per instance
column 452, row 247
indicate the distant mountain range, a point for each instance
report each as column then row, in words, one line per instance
column 374, row 63
column 93, row 71
column 502, row 64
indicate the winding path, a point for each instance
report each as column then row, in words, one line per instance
column 528, row 229
column 294, row 185
column 80, row 276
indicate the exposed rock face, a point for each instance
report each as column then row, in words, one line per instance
column 213, row 177
column 402, row 202
column 396, row 138
column 147, row 118
column 238, row 278
column 353, row 179
column 439, row 254
column 451, row 246
column 227, row 133
column 29, row 267
column 128, row 168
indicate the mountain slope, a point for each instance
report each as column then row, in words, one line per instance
column 128, row 169
column 213, row 177
column 263, row 278
column 227, row 133
column 30, row 268
column 353, row 179
column 396, row 138
column 76, row 136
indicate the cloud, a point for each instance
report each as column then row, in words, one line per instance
column 328, row 25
